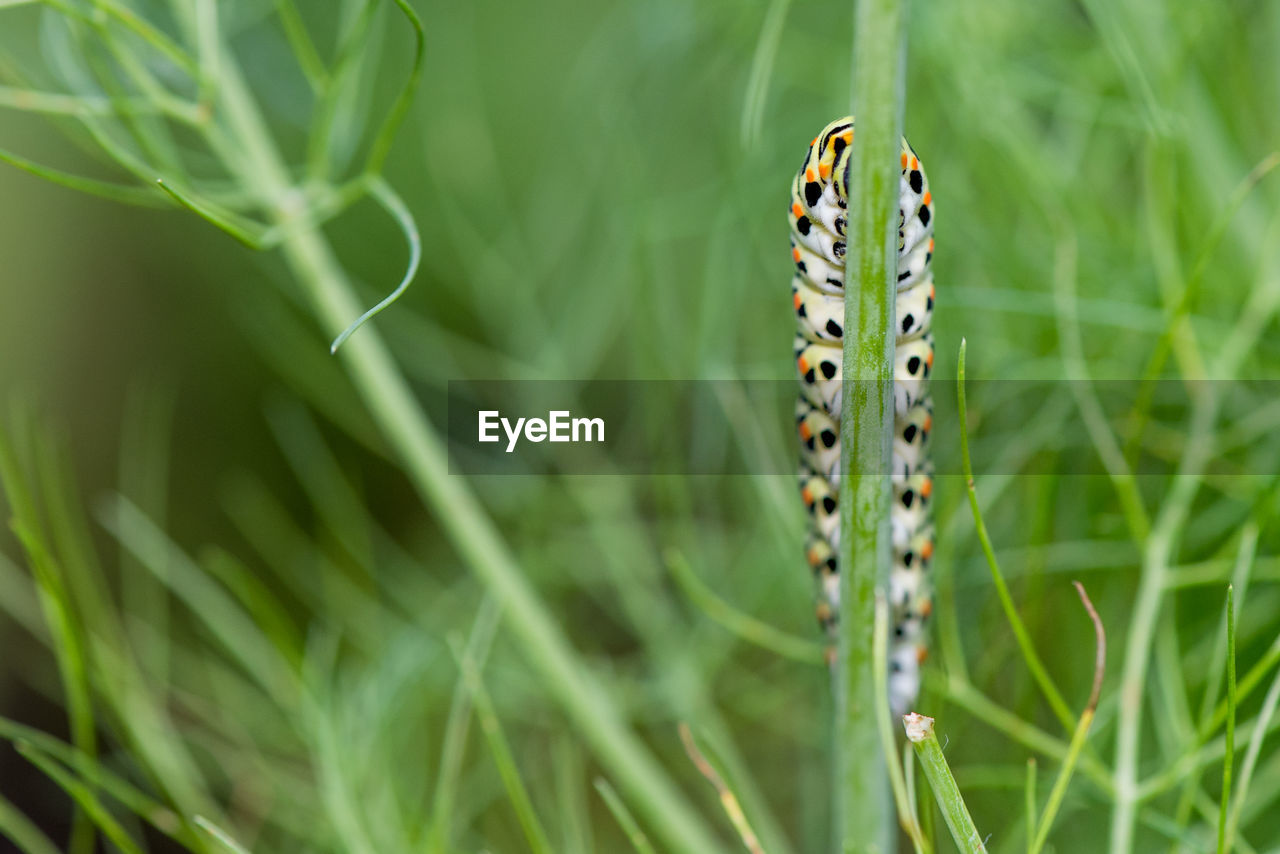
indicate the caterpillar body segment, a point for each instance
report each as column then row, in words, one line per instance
column 819, row 221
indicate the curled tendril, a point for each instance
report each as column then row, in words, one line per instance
column 394, row 205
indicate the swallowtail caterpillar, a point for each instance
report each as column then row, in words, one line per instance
column 819, row 206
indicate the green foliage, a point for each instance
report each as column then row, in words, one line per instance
column 249, row 636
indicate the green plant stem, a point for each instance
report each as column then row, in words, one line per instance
column 1261, row 306
column 922, row 736
column 226, row 840
column 1224, row 845
column 82, row 794
column 69, row 644
column 761, row 72
column 1091, row 413
column 743, row 625
column 295, row 30
column 863, row 815
column 384, row 390
column 897, row 777
column 728, row 800
column 500, row 747
column 1251, row 760
column 23, row 832
column 1059, row 790
column 1181, row 297
column 1029, row 794
column 1240, row 577
column 1029, row 654
column 1218, row 661
column 1133, row 676
column 996, row 716
column 455, row 734
column 459, row 513
column 624, row 817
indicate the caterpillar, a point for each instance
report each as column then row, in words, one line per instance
column 818, row 215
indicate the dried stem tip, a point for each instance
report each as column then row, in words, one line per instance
column 918, row 727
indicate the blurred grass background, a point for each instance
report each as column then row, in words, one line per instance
column 600, row 190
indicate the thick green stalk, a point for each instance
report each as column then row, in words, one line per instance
column 863, row 814
column 391, row 403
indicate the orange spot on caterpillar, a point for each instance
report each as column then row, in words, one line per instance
column 926, row 551
column 928, row 360
column 795, row 299
column 795, row 254
column 928, row 423
column 815, row 557
column 928, row 197
column 932, row 292
column 807, row 495
column 926, row 489
column 803, row 365
column 815, row 142
column 847, row 136
column 904, row 160
column 922, row 654
column 915, row 164
column 930, row 244
column 798, row 212
column 824, row 169
column 805, row 432
column 808, row 175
